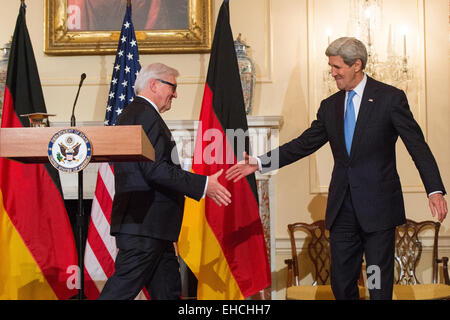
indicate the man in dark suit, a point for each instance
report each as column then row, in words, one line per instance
column 149, row 197
column 365, row 203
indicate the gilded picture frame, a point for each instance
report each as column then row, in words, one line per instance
column 61, row 40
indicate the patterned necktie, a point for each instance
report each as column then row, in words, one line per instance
column 349, row 121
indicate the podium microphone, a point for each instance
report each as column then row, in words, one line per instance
column 72, row 119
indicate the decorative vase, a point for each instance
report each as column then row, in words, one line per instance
column 246, row 72
column 3, row 71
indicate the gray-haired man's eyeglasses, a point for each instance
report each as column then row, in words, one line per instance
column 173, row 85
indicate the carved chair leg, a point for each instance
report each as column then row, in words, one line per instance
column 290, row 273
column 445, row 264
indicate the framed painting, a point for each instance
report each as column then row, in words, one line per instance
column 91, row 27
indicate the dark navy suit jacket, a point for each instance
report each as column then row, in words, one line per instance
column 149, row 196
column 370, row 171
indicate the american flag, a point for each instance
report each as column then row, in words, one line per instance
column 101, row 250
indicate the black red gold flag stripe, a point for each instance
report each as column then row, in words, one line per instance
column 224, row 246
column 36, row 240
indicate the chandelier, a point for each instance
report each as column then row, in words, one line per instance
column 364, row 22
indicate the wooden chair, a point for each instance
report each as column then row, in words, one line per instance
column 408, row 252
column 318, row 250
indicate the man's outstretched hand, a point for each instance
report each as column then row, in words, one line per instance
column 217, row 192
column 438, row 204
column 242, row 169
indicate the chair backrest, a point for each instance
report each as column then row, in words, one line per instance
column 318, row 250
column 408, row 250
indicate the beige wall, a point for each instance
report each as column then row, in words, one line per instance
column 286, row 47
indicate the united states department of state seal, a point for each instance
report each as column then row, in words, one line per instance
column 69, row 150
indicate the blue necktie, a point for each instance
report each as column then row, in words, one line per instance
column 349, row 121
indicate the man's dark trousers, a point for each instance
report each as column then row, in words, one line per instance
column 348, row 243
column 144, row 262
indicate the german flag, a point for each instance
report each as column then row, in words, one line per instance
column 36, row 241
column 224, row 246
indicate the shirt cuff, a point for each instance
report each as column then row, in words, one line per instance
column 206, row 187
column 259, row 164
column 435, row 192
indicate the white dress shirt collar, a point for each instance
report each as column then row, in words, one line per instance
column 359, row 89
column 357, row 98
column 149, row 101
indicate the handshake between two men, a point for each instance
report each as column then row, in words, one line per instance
column 217, row 192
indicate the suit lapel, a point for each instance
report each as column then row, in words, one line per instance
column 158, row 115
column 169, row 137
column 164, row 128
column 339, row 116
column 368, row 101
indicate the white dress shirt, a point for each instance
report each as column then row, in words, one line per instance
column 359, row 89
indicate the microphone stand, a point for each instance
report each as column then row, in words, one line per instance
column 80, row 216
column 72, row 118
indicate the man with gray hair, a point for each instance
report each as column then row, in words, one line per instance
column 149, row 197
column 362, row 123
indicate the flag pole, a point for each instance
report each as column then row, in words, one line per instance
column 80, row 231
column 100, row 239
column 128, row 2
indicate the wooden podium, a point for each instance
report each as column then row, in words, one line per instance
column 109, row 144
